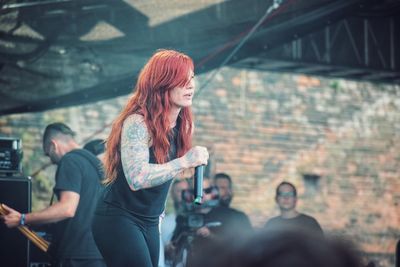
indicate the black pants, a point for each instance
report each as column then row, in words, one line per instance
column 126, row 240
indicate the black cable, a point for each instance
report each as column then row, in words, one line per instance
column 273, row 7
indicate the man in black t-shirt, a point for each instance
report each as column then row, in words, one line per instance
column 286, row 198
column 233, row 221
column 77, row 187
column 224, row 184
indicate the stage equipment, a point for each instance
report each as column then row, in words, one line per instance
column 15, row 192
column 10, row 156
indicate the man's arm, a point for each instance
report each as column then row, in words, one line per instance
column 63, row 209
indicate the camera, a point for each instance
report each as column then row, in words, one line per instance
column 192, row 215
column 191, row 218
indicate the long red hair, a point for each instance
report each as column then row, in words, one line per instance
column 165, row 70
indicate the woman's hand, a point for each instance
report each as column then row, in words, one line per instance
column 196, row 156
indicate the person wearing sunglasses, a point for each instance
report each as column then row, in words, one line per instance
column 286, row 198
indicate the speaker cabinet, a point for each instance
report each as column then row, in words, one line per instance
column 15, row 192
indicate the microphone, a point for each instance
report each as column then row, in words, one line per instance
column 198, row 184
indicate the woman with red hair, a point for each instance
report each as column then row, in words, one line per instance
column 149, row 145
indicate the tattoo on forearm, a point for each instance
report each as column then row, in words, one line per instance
column 135, row 157
column 190, row 156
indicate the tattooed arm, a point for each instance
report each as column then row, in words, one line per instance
column 138, row 171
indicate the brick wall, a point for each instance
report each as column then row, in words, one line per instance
column 262, row 128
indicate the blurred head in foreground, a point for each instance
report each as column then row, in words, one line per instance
column 279, row 248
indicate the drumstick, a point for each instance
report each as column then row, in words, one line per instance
column 32, row 236
column 37, row 240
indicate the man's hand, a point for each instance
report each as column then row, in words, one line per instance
column 203, row 232
column 170, row 250
column 12, row 218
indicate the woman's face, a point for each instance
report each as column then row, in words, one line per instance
column 182, row 96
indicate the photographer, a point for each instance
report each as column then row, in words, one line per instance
column 168, row 223
column 200, row 225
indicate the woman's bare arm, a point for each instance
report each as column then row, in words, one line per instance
column 138, row 171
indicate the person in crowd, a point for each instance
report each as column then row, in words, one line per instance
column 371, row 263
column 169, row 221
column 286, row 198
column 190, row 224
column 224, row 184
column 211, row 221
column 149, row 145
column 232, row 219
column 279, row 247
column 77, row 187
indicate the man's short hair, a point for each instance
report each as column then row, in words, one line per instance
column 57, row 128
column 222, row 175
column 286, row 183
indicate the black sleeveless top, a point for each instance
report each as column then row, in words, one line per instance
column 149, row 202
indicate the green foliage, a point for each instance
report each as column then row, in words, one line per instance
column 335, row 85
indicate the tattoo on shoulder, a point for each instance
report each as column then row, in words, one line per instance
column 138, row 171
column 135, row 129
